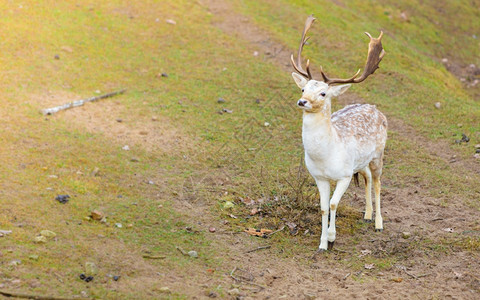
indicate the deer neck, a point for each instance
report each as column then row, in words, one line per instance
column 318, row 134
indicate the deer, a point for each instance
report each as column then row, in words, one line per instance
column 341, row 145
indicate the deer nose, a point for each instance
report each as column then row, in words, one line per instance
column 301, row 102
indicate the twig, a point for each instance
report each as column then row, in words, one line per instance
column 259, row 248
column 34, row 297
column 58, row 277
column 281, row 228
column 155, row 256
column 246, row 281
column 181, row 250
column 346, row 276
column 52, row 110
column 437, row 219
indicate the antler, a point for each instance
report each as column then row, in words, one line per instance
column 374, row 56
column 298, row 66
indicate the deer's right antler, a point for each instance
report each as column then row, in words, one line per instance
column 298, row 66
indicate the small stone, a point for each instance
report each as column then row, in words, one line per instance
column 477, row 150
column 33, row 257
column 90, row 268
column 212, row 229
column 130, row 225
column 255, row 53
column 476, row 155
column 465, row 138
column 154, row 119
column 221, row 100
column 87, row 218
column 228, row 111
column 266, row 124
column 228, row 204
column 116, row 278
column 118, row 225
column 163, row 75
column 444, row 60
column 126, row 148
column 406, row 234
column 165, row 289
column 15, row 262
column 211, row 294
column 48, row 233
column 438, row 105
column 40, row 239
column 96, row 215
column 62, row 198
column 119, row 120
column 57, row 56
column 234, row 292
column 103, row 220
column 151, row 182
column 477, row 146
column 171, row 22
column 67, row 49
column 193, row 254
column 257, row 101
column 134, row 159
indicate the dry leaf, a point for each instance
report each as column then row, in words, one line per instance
column 369, row 266
column 365, row 252
column 397, row 279
column 258, row 232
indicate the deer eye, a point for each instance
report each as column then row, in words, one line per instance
column 303, row 90
column 322, row 94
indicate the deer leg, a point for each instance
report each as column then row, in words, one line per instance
column 324, row 189
column 340, row 189
column 368, row 194
column 378, row 214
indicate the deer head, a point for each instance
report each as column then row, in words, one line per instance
column 316, row 94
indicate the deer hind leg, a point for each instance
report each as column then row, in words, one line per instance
column 340, row 189
column 367, row 174
column 376, row 168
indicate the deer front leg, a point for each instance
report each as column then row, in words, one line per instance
column 340, row 189
column 368, row 194
column 324, row 189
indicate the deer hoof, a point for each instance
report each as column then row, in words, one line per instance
column 330, row 245
column 379, row 230
column 319, row 251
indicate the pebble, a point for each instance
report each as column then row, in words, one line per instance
column 118, row 225
column 116, row 278
column 221, row 100
column 96, row 215
column 57, row 56
column 438, row 105
column 255, row 53
column 126, row 148
column 48, row 233
column 165, row 289
column 228, row 111
column 477, row 146
column 62, row 198
column 164, row 75
column 212, row 229
column 171, row 22
column 15, row 262
column 234, row 292
column 119, row 120
column 193, row 254
column 40, row 239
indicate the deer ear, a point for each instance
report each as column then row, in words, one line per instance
column 299, row 80
column 339, row 89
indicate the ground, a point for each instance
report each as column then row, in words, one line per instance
column 191, row 156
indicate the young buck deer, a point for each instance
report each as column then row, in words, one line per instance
column 338, row 146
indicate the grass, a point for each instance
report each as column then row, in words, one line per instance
column 111, row 45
